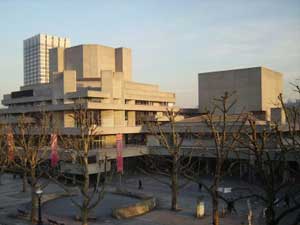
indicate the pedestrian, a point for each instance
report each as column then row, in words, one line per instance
column 140, row 184
column 199, row 186
column 231, row 207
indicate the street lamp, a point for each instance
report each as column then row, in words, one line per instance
column 39, row 193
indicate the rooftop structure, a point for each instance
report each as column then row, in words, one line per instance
column 256, row 89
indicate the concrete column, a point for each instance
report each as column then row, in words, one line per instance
column 56, row 60
column 119, row 118
column 69, row 119
column 107, row 118
column 131, row 119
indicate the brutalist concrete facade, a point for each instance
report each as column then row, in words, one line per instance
column 256, row 89
column 100, row 78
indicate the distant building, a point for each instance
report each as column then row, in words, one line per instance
column 189, row 112
column 36, row 57
column 257, row 89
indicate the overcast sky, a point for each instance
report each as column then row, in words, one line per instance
column 171, row 41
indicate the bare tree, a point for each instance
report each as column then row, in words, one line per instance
column 31, row 141
column 80, row 146
column 174, row 162
column 3, row 153
column 225, row 130
column 270, row 163
column 271, row 148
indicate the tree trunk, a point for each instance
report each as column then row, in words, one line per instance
column 215, row 194
column 24, row 182
column 174, row 193
column 34, row 198
column 85, row 189
column 270, row 216
column 174, row 185
column 1, row 174
column 215, row 208
column 34, row 206
column 84, row 216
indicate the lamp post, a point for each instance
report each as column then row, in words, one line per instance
column 39, row 193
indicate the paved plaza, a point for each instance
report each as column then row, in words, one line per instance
column 11, row 198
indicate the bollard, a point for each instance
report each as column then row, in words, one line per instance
column 200, row 209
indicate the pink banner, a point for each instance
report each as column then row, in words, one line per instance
column 120, row 164
column 10, row 145
column 54, row 154
column 119, row 142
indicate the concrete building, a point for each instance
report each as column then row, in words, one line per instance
column 36, row 57
column 257, row 89
column 199, row 142
column 99, row 78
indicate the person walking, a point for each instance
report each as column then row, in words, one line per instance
column 140, row 184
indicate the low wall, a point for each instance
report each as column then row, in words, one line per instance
column 146, row 205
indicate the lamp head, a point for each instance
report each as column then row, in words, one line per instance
column 39, row 191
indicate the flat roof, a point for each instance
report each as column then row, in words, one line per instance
column 238, row 69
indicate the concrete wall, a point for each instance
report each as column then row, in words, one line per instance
column 63, row 83
column 74, row 60
column 118, row 87
column 119, row 118
column 107, row 82
column 57, row 85
column 56, row 60
column 112, row 83
column 106, row 58
column 253, row 87
column 90, row 60
column 123, row 62
column 107, row 118
column 131, row 119
column 272, row 86
column 139, row 91
column 69, row 79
